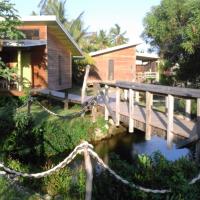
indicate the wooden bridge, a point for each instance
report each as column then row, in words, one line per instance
column 131, row 111
column 145, row 117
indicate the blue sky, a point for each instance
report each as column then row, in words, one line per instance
column 102, row 14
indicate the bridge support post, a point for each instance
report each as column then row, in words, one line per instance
column 117, row 106
column 131, row 111
column 107, row 97
column 188, row 109
column 170, row 122
column 149, row 102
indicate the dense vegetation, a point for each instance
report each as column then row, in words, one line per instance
column 173, row 29
column 36, row 142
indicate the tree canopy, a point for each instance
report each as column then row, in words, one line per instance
column 173, row 28
column 8, row 21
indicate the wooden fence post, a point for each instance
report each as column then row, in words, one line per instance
column 66, row 101
column 89, row 175
column 170, row 123
column 131, row 111
column 87, row 70
column 149, row 101
column 188, row 109
column 107, row 98
column 117, row 106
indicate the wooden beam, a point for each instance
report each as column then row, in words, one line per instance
column 89, row 175
column 149, row 102
column 107, row 98
column 87, row 70
column 188, row 104
column 106, row 103
column 158, row 89
column 170, row 122
column 131, row 111
column 117, row 106
column 20, row 70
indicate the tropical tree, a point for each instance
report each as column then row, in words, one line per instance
column 117, row 37
column 173, row 28
column 55, row 7
column 103, row 41
column 77, row 29
column 8, row 22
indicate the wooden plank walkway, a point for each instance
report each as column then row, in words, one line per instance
column 182, row 127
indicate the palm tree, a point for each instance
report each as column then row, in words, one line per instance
column 103, row 41
column 77, row 29
column 116, row 36
column 54, row 7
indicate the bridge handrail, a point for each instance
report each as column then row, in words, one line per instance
column 158, row 89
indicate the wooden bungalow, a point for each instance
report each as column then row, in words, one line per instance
column 115, row 63
column 123, row 63
column 43, row 59
column 147, row 67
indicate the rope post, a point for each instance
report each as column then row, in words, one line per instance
column 29, row 106
column 89, row 174
column 66, row 101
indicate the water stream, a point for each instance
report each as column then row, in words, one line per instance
column 128, row 145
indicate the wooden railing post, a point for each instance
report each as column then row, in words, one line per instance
column 125, row 95
column 198, row 132
column 107, row 98
column 131, row 111
column 166, row 105
column 188, row 109
column 149, row 102
column 137, row 96
column 89, row 175
column 170, row 123
column 117, row 106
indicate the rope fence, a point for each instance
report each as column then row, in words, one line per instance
column 87, row 107
column 80, row 150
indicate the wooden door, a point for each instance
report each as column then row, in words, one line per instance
column 111, row 70
column 27, row 71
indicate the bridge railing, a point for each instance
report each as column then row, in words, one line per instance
column 132, row 90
